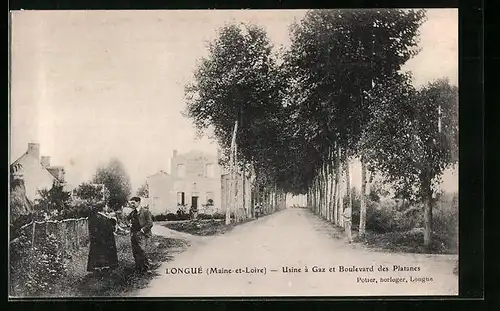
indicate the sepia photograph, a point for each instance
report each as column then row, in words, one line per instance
column 233, row 153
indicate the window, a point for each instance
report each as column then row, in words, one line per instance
column 209, row 170
column 181, row 170
column 180, row 198
column 210, row 198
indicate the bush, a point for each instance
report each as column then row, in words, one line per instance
column 171, row 217
column 380, row 220
column 161, row 217
column 204, row 216
column 221, row 215
column 445, row 224
column 409, row 219
column 35, row 270
column 183, row 216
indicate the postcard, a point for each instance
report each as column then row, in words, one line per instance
column 234, row 153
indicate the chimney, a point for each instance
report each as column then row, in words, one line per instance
column 45, row 161
column 34, row 150
column 174, row 153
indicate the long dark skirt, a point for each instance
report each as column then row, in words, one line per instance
column 102, row 253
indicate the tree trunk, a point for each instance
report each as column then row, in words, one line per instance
column 308, row 196
column 243, row 175
column 362, row 211
column 327, row 187
column 427, row 213
column 337, row 187
column 276, row 197
column 229, row 200
column 331, row 204
column 321, row 191
column 348, row 181
column 341, row 203
column 315, row 195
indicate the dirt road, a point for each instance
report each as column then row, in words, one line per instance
column 269, row 257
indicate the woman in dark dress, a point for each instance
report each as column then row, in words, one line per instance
column 102, row 253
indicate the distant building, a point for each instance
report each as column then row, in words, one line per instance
column 195, row 180
column 160, row 193
column 37, row 172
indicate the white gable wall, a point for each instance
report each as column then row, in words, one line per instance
column 35, row 176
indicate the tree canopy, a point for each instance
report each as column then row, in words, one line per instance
column 116, row 180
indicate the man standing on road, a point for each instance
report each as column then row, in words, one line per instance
column 347, row 214
column 141, row 222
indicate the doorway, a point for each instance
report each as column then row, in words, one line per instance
column 194, row 202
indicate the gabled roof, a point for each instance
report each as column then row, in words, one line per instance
column 48, row 169
column 18, row 159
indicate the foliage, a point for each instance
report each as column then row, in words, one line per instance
column 171, row 216
column 161, row 217
column 52, row 202
column 240, row 81
column 339, row 87
column 35, row 270
column 91, row 193
column 380, row 220
column 20, row 206
column 14, row 175
column 117, row 182
column 335, row 57
column 182, row 214
column 204, row 216
column 415, row 137
column 445, row 223
column 143, row 191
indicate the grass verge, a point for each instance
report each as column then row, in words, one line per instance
column 203, row 227
column 120, row 281
column 411, row 241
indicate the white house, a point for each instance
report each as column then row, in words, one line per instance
column 195, row 180
column 160, row 191
column 37, row 172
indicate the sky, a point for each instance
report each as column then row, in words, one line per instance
column 92, row 85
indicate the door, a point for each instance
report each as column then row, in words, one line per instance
column 194, row 202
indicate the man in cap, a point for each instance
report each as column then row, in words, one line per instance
column 141, row 222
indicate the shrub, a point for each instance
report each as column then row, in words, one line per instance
column 205, row 216
column 445, row 223
column 161, row 217
column 171, row 216
column 183, row 216
column 221, row 215
column 410, row 218
column 35, row 270
column 380, row 220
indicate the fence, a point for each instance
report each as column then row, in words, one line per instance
column 72, row 233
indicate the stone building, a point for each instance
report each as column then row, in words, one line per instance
column 37, row 172
column 160, row 193
column 194, row 180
